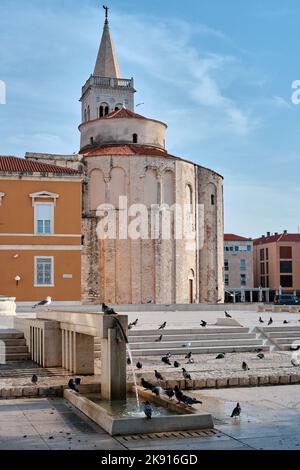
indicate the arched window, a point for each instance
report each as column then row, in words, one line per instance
column 88, row 113
column 118, row 106
column 135, row 138
column 212, row 199
column 92, row 140
column 85, row 115
column 103, row 110
column 189, row 196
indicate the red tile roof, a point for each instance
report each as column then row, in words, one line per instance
column 22, row 165
column 123, row 113
column 281, row 237
column 126, row 150
column 235, row 238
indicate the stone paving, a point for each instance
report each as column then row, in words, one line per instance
column 270, row 419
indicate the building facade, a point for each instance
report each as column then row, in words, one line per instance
column 238, row 262
column 123, row 155
column 277, row 262
column 40, row 231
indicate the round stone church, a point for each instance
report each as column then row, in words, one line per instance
column 126, row 165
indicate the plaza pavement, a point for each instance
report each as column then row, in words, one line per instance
column 270, row 420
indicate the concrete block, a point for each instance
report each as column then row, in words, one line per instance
column 253, row 381
column 274, row 379
column 172, row 383
column 233, row 381
column 244, row 381
column 263, row 380
column 222, row 383
column 5, row 393
column 210, row 383
column 295, row 378
column 30, row 392
column 17, row 392
column 284, row 379
column 199, row 383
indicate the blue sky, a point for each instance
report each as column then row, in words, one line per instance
column 218, row 72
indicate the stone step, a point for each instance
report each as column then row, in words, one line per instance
column 284, row 334
column 17, row 357
column 206, row 350
column 287, row 328
column 193, row 331
column 16, row 349
column 287, row 340
column 14, row 342
column 4, row 336
column 196, row 344
column 193, row 337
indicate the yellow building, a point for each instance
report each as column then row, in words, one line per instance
column 40, row 231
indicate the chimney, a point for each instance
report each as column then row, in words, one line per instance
column 263, row 236
column 276, row 233
column 285, row 232
column 268, row 234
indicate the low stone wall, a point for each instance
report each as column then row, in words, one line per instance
column 7, row 306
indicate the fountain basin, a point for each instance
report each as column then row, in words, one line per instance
column 177, row 418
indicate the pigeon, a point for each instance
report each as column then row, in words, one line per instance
column 150, row 301
column 220, row 356
column 146, row 385
column 178, row 394
column 237, row 411
column 176, row 364
column 245, row 366
column 44, row 303
column 72, row 385
column 148, row 410
column 163, row 326
column 191, row 401
column 158, row 340
column 203, row 323
column 190, row 361
column 260, row 356
column 261, row 320
column 227, row 315
column 295, row 363
column 258, row 350
column 108, row 310
column 166, row 360
column 139, row 365
column 134, row 323
column 34, row 379
column 185, row 374
column 158, row 375
column 295, row 347
column 285, row 322
column 170, row 393
column 156, row 391
column 188, row 355
column 168, row 355
column 77, row 381
column 187, row 345
column 270, row 321
column 129, row 361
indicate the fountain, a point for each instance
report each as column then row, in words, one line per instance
column 116, row 409
column 113, row 404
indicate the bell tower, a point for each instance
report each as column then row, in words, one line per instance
column 106, row 91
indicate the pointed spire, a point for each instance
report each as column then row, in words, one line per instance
column 107, row 64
